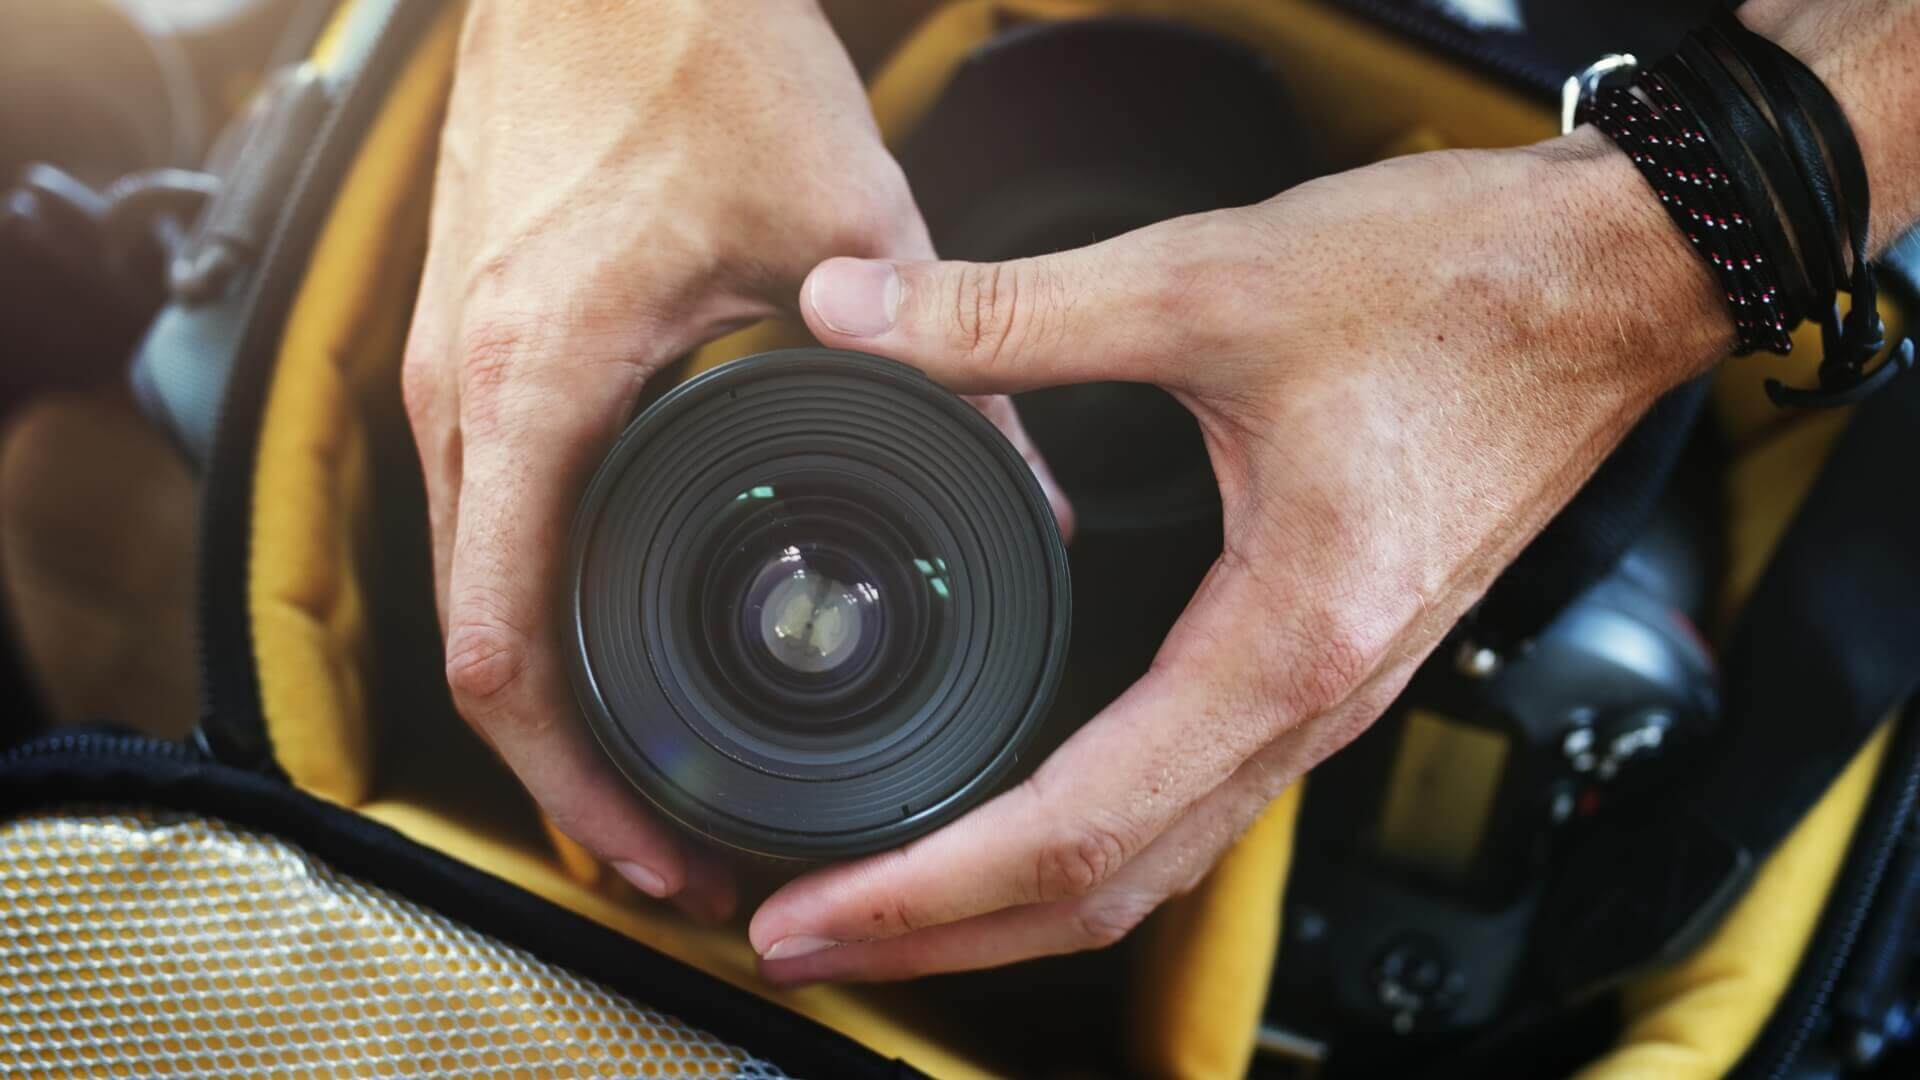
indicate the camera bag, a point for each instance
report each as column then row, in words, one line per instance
column 335, row 877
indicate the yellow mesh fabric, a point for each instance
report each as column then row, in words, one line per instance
column 147, row 944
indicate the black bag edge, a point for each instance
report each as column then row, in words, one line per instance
column 130, row 770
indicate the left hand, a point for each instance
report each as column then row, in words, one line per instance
column 618, row 183
column 1401, row 373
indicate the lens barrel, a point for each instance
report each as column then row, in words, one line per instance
column 820, row 605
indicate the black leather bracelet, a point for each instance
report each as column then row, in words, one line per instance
column 1754, row 152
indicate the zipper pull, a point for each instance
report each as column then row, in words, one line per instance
column 1870, row 1015
column 258, row 158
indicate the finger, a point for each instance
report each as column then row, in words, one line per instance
column 914, row 245
column 1099, row 800
column 432, row 405
column 1100, row 312
column 532, row 432
column 1173, row 864
column 999, row 408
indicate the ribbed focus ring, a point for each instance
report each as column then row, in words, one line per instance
column 949, row 723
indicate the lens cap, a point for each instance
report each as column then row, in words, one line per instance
column 820, row 605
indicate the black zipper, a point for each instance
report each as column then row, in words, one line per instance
column 377, row 40
column 99, row 744
column 1807, row 1007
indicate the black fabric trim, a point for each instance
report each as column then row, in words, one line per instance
column 232, row 722
column 1803, row 1015
column 1589, row 536
column 355, row 845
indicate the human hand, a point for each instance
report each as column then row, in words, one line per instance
column 1401, row 374
column 617, row 184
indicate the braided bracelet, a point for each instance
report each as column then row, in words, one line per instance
column 1756, row 164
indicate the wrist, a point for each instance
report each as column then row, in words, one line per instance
column 1868, row 54
column 1632, row 296
column 1646, row 304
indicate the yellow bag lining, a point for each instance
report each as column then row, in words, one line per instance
column 1205, row 964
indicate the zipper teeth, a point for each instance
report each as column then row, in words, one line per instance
column 1812, row 1017
column 98, row 744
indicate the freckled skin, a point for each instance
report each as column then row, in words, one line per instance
column 1402, row 373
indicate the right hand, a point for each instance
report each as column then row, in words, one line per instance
column 1402, row 373
column 618, row 183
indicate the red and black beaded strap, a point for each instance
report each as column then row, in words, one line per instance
column 1668, row 145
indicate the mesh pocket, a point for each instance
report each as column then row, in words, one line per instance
column 143, row 943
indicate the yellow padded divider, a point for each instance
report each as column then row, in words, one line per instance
column 1694, row 1020
column 344, row 331
column 1207, row 958
column 1361, row 86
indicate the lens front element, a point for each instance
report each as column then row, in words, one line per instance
column 811, row 622
column 820, row 604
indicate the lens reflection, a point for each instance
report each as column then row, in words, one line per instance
column 811, row 621
column 823, row 604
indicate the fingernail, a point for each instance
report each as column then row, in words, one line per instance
column 797, row 946
column 855, row 297
column 643, row 878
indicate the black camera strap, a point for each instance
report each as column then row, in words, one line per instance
column 1827, row 647
column 1587, row 539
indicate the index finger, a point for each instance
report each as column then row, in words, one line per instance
column 528, row 443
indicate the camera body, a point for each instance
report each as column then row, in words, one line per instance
column 1426, row 848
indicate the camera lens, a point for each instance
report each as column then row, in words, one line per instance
column 821, row 598
column 820, row 604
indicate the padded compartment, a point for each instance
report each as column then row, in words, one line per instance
column 350, row 671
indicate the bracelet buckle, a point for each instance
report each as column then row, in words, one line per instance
column 1611, row 70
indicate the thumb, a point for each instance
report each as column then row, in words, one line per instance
column 1094, row 313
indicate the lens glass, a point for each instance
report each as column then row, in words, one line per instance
column 823, row 603
column 810, row 621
